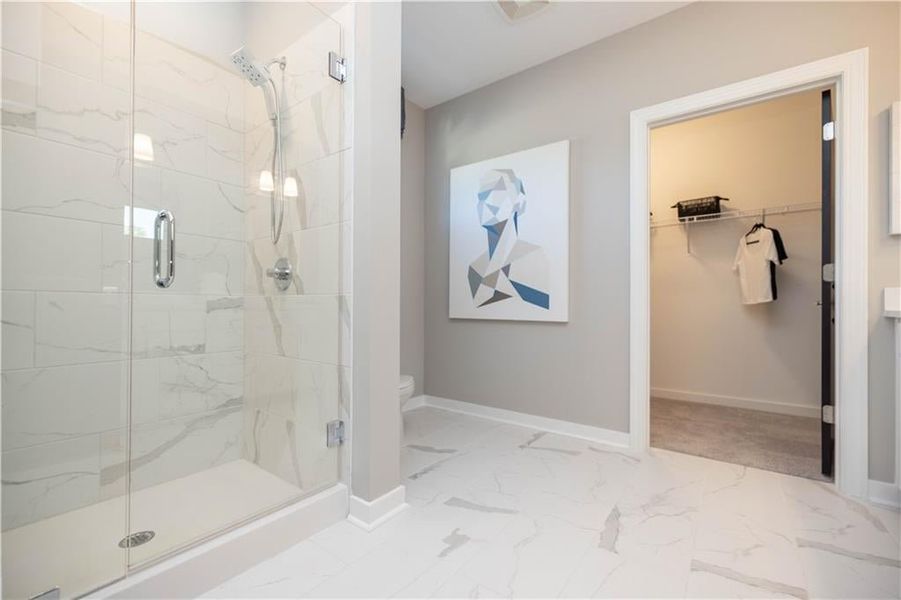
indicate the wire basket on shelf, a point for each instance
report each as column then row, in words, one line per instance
column 699, row 207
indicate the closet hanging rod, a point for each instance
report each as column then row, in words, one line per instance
column 740, row 214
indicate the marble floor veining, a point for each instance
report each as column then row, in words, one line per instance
column 498, row 510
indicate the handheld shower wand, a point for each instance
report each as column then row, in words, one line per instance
column 258, row 75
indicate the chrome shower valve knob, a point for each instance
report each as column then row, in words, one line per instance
column 281, row 273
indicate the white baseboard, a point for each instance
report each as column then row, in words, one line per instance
column 782, row 408
column 370, row 514
column 191, row 573
column 886, row 494
column 577, row 430
column 415, row 402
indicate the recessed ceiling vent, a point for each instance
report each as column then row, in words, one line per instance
column 517, row 10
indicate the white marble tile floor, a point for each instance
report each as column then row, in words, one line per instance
column 503, row 511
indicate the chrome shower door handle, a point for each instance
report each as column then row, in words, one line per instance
column 163, row 281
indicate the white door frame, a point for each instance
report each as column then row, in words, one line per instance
column 849, row 74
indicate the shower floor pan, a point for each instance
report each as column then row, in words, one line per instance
column 79, row 550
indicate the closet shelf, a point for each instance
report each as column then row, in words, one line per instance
column 761, row 213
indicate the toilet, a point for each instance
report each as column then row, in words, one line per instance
column 404, row 392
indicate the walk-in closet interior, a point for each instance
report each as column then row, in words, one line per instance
column 739, row 347
column 158, row 160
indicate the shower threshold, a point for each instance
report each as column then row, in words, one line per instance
column 180, row 512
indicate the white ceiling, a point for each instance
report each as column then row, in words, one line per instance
column 451, row 48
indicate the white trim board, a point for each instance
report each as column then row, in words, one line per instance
column 897, row 401
column 370, row 514
column 849, row 74
column 576, row 430
column 415, row 402
column 781, row 408
column 886, row 494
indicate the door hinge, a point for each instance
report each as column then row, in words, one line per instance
column 829, row 272
column 337, row 67
column 334, row 433
column 829, row 414
column 829, row 131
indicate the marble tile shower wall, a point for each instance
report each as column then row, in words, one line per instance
column 66, row 182
column 297, row 342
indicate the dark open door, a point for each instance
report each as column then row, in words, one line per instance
column 828, row 289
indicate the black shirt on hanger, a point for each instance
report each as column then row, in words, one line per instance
column 783, row 255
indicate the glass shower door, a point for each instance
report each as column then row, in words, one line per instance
column 156, row 393
column 66, row 186
column 236, row 355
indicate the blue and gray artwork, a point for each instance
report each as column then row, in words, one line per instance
column 510, row 268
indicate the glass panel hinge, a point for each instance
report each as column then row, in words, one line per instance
column 334, row 433
column 337, row 67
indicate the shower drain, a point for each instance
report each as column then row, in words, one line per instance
column 136, row 539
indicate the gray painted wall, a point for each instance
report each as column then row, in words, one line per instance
column 412, row 242
column 579, row 371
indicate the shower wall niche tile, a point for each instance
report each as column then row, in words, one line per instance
column 168, row 325
column 183, row 324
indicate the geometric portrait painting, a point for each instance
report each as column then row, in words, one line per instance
column 509, row 237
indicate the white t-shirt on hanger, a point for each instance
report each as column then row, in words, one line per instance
column 752, row 261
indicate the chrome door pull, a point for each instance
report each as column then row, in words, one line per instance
column 158, row 277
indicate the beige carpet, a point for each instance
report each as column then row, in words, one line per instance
column 781, row 443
